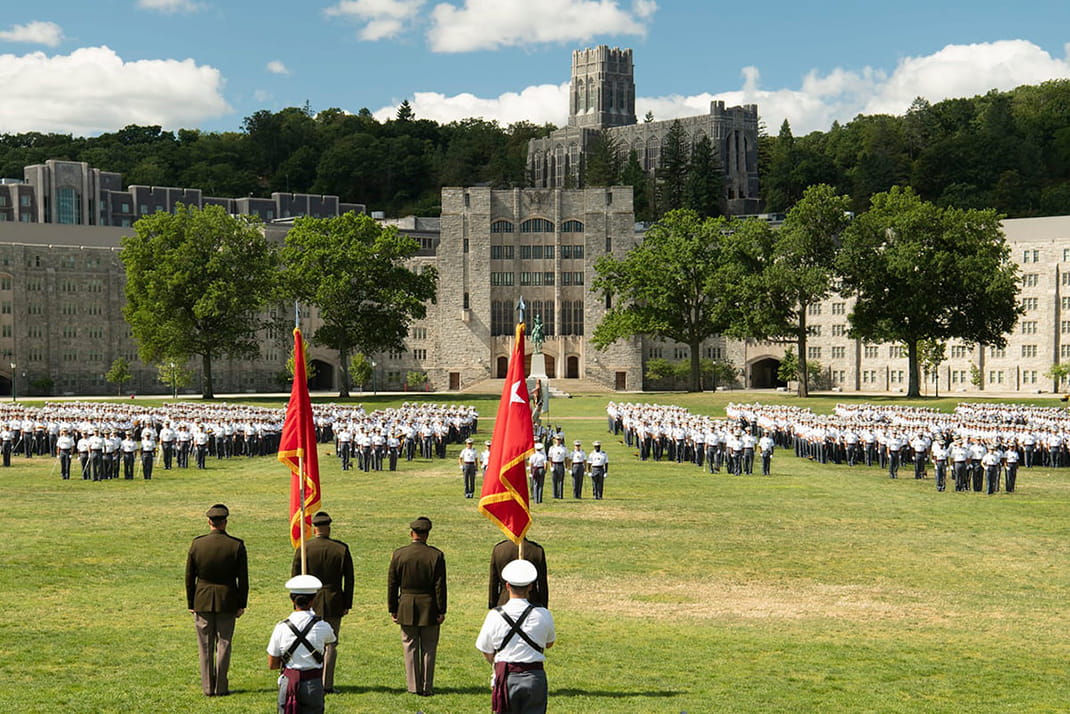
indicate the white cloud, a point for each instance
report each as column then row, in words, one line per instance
column 380, row 19
column 277, row 67
column 490, row 24
column 169, row 7
column 966, row 70
column 93, row 90
column 841, row 94
column 38, row 33
column 538, row 104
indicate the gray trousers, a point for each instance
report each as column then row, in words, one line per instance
column 419, row 645
column 215, row 630
column 330, row 652
column 527, row 692
column 309, row 696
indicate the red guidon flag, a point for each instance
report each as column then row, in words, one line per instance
column 297, row 448
column 504, row 499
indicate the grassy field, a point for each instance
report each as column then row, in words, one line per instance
column 821, row 588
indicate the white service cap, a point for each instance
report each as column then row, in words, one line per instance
column 519, row 573
column 304, row 585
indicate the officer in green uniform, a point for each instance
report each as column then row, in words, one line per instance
column 217, row 592
column 416, row 600
column 505, row 552
column 330, row 561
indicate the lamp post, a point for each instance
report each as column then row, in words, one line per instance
column 174, row 382
column 14, row 384
column 373, row 377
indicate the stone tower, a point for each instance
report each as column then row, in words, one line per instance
column 602, row 90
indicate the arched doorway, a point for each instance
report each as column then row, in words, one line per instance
column 763, row 374
column 572, row 367
column 5, row 386
column 323, row 377
column 503, row 367
column 550, row 364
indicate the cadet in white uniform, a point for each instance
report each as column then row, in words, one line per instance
column 296, row 647
column 598, row 464
column 514, row 638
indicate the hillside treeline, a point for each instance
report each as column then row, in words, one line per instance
column 397, row 166
column 1004, row 150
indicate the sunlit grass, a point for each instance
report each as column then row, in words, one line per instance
column 822, row 588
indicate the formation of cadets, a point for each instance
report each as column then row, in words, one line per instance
column 979, row 447
column 377, row 440
column 113, row 440
column 671, row 433
column 551, row 455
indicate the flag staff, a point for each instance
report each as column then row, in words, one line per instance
column 520, row 307
column 301, row 452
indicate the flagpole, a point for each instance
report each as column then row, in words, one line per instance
column 301, row 456
column 520, row 308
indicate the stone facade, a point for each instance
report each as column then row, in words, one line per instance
column 73, row 193
column 497, row 246
column 62, row 325
column 1041, row 247
column 602, row 99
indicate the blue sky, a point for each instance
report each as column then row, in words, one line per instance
column 83, row 67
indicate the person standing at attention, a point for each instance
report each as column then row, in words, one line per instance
column 217, row 592
column 296, row 647
column 514, row 638
column 330, row 561
column 416, row 600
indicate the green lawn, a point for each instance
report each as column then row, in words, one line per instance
column 822, row 588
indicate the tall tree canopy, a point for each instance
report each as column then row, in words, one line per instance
column 196, row 281
column 921, row 272
column 682, row 282
column 802, row 270
column 353, row 269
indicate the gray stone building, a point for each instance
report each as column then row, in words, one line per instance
column 540, row 244
column 602, row 99
column 61, row 281
column 73, row 193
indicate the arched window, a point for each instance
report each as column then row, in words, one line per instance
column 572, row 227
column 536, row 225
column 501, row 227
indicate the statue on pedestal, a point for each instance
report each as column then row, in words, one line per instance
column 537, row 333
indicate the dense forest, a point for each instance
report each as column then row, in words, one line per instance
column 1005, row 150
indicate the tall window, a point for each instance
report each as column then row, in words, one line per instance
column 67, row 206
column 572, row 317
column 536, row 225
column 501, row 317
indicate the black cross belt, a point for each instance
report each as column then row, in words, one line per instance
column 514, row 629
column 302, row 639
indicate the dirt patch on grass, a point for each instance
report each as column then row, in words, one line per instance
column 754, row 600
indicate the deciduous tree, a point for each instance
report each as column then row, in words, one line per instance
column 196, row 281
column 679, row 284
column 353, row 269
column 922, row 272
column 802, row 270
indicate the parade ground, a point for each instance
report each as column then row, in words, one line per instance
column 818, row 588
